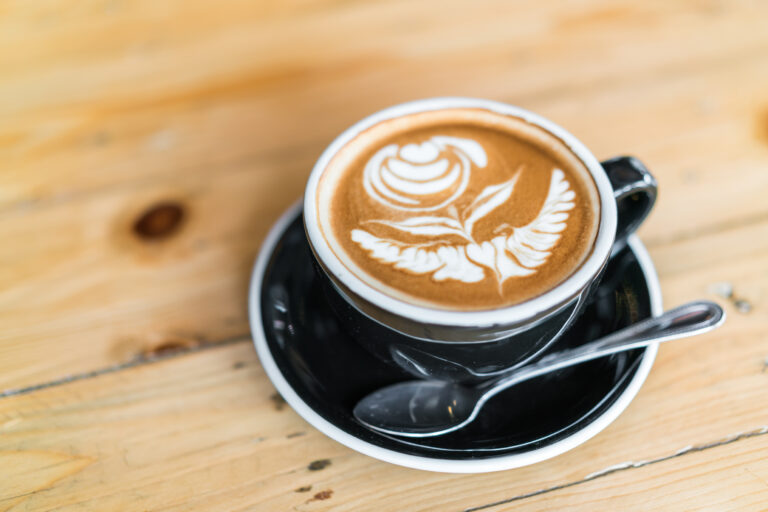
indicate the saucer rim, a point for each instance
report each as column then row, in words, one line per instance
column 438, row 464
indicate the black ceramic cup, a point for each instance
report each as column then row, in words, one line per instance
column 466, row 346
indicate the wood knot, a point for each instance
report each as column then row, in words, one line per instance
column 322, row 495
column 277, row 401
column 317, row 465
column 159, row 221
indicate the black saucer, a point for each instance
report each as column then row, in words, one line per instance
column 322, row 373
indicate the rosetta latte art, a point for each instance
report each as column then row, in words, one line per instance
column 432, row 175
column 422, row 177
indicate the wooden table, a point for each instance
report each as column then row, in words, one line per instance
column 147, row 146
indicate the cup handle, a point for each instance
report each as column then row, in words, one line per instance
column 635, row 191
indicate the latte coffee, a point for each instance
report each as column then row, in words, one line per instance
column 458, row 209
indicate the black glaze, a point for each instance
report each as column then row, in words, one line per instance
column 472, row 361
column 385, row 334
column 635, row 190
column 331, row 372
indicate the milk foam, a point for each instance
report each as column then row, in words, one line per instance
column 516, row 254
column 402, row 177
column 462, row 208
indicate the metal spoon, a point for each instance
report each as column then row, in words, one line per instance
column 425, row 408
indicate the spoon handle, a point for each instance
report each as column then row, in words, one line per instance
column 683, row 321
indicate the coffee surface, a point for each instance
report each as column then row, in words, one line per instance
column 459, row 209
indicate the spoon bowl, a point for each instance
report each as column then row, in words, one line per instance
column 423, row 407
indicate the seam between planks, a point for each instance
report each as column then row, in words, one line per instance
column 625, row 466
column 141, row 361
column 651, row 243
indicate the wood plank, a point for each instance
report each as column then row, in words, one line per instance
column 82, row 291
column 309, row 35
column 200, row 114
column 213, row 115
column 729, row 477
column 75, row 269
column 201, row 432
column 198, row 88
column 667, row 123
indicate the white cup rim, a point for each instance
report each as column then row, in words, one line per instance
column 508, row 315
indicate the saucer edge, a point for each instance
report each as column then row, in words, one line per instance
column 429, row 463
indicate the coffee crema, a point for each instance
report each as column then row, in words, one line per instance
column 458, row 209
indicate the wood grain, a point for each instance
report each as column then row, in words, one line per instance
column 192, row 433
column 728, row 477
column 126, row 377
column 204, row 431
column 232, row 147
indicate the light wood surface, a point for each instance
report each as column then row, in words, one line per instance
column 127, row 376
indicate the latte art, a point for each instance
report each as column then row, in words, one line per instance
column 518, row 253
column 458, row 209
column 422, row 177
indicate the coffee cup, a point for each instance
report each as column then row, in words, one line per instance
column 458, row 238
